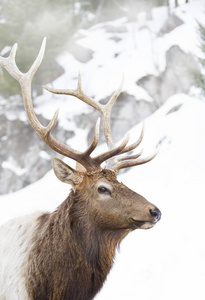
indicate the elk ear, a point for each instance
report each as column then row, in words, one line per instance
column 67, row 174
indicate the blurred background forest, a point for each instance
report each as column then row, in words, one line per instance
column 28, row 22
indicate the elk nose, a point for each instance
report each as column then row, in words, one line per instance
column 156, row 214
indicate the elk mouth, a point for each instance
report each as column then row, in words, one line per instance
column 142, row 224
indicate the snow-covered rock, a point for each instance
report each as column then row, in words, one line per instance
column 178, row 76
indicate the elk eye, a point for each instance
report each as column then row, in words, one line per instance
column 104, row 190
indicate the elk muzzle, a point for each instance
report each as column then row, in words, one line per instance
column 153, row 216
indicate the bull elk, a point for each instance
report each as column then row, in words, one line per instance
column 67, row 254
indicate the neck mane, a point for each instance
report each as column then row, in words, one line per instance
column 70, row 258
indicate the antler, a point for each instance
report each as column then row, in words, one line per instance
column 83, row 158
column 25, row 80
column 105, row 109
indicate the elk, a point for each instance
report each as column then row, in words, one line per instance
column 66, row 254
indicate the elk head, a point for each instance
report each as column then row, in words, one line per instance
column 112, row 205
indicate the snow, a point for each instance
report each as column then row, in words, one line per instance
column 11, row 166
column 168, row 261
column 45, row 155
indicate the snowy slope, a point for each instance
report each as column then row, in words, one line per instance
column 168, row 261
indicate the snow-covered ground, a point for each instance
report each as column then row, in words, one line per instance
column 168, row 261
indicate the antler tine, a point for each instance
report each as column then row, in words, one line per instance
column 24, row 79
column 78, row 93
column 137, row 143
column 130, row 157
column 38, row 60
column 115, row 95
column 10, row 65
column 113, row 152
column 95, row 140
column 86, row 154
column 106, row 115
column 122, row 164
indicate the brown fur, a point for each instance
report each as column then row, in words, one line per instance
column 74, row 246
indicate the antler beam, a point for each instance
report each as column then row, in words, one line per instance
column 25, row 80
column 84, row 158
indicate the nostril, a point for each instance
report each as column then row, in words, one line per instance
column 155, row 213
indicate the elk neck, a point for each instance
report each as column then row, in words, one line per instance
column 98, row 244
column 65, row 238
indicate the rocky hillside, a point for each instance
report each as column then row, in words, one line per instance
column 156, row 64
